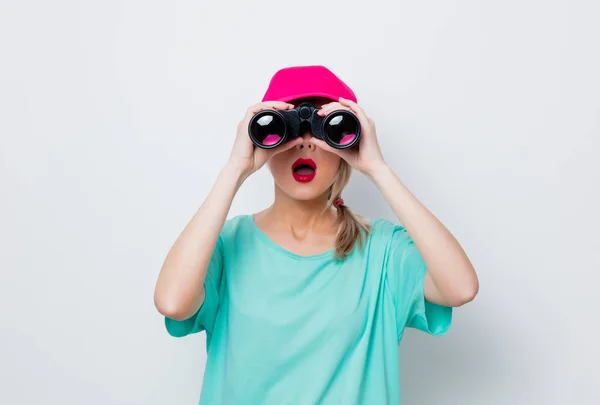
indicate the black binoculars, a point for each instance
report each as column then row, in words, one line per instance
column 271, row 128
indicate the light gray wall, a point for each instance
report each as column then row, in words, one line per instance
column 115, row 117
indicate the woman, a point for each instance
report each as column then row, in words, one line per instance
column 306, row 302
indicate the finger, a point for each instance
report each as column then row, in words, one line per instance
column 278, row 105
column 344, row 154
column 324, row 106
column 333, row 107
column 286, row 146
column 265, row 154
column 365, row 122
column 281, row 105
column 355, row 108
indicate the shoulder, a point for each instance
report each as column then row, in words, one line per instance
column 386, row 231
column 235, row 222
column 234, row 226
column 388, row 238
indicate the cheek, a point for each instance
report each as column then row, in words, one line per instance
column 278, row 166
column 329, row 168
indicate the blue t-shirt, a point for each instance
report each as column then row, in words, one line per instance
column 304, row 330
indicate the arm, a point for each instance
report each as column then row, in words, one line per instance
column 179, row 291
column 451, row 279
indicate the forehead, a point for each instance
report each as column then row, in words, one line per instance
column 318, row 102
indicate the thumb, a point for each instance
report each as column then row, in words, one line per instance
column 286, row 146
column 266, row 154
column 343, row 153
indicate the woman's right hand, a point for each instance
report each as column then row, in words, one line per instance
column 245, row 156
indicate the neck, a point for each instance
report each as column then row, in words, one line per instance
column 300, row 215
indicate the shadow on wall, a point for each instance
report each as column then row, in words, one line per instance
column 364, row 198
column 472, row 361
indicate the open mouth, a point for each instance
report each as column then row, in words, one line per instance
column 304, row 170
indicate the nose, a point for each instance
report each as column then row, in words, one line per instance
column 306, row 142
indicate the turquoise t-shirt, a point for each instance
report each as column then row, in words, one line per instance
column 305, row 330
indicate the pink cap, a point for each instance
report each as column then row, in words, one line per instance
column 296, row 82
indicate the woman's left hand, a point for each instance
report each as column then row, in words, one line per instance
column 367, row 156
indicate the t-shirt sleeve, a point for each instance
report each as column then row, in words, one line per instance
column 406, row 279
column 204, row 318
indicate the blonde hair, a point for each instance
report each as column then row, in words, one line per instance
column 353, row 228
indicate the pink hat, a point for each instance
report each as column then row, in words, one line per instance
column 296, row 82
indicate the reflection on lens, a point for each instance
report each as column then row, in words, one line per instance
column 271, row 139
column 267, row 129
column 265, row 120
column 347, row 138
column 336, row 120
column 341, row 128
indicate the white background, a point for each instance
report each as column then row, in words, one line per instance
column 116, row 116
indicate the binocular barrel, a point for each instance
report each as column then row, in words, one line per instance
column 270, row 128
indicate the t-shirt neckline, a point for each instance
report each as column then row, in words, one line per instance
column 269, row 242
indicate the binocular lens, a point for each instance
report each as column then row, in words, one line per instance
column 268, row 129
column 342, row 129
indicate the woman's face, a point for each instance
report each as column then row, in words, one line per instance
column 305, row 171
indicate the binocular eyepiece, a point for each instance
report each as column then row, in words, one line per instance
column 270, row 128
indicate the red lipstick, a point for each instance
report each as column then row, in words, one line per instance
column 304, row 170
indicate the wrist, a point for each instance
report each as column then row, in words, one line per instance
column 377, row 170
column 234, row 172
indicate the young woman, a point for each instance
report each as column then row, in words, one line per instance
column 305, row 302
